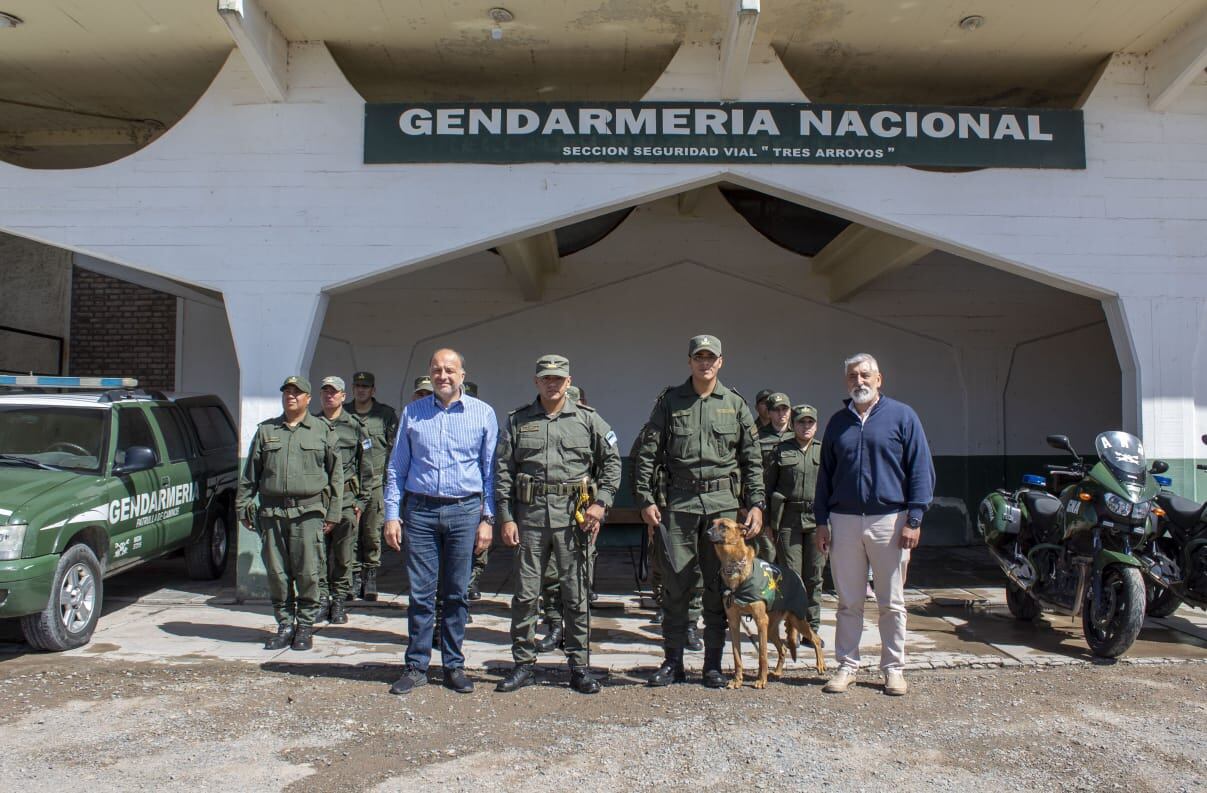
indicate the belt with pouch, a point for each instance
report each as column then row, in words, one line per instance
column 701, row 485
column 556, row 488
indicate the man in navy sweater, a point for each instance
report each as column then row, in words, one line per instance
column 876, row 481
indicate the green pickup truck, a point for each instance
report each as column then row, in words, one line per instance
column 94, row 482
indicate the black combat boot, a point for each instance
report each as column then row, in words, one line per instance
column 324, row 614
column 303, row 637
column 354, row 590
column 520, row 675
column 368, row 584
column 582, row 681
column 693, row 641
column 713, row 678
column 339, row 614
column 474, row 592
column 671, row 670
column 282, row 639
column 552, row 640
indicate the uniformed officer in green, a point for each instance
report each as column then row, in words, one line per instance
column 777, row 429
column 546, row 456
column 791, row 479
column 381, row 424
column 701, row 439
column 480, row 559
column 293, row 467
column 423, row 387
column 761, row 417
column 354, row 446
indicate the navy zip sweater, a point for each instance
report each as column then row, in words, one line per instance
column 876, row 466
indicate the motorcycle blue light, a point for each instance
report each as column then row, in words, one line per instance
column 1163, row 481
column 1034, row 480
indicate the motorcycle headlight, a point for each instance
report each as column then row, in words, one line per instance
column 1118, row 505
column 12, row 537
column 1141, row 510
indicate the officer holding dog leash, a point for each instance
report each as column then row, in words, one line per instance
column 543, row 465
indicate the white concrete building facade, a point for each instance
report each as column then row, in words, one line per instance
column 1004, row 304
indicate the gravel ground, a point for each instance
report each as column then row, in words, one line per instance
column 95, row 725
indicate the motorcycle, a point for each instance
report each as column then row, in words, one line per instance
column 1175, row 558
column 1065, row 540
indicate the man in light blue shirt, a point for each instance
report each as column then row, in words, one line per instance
column 440, row 487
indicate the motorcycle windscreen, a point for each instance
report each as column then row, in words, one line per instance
column 1123, row 454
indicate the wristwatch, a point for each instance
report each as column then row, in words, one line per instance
column 914, row 523
column 488, row 519
column 759, row 505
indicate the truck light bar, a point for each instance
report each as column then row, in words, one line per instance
column 40, row 381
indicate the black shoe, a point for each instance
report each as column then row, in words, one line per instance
column 657, row 618
column 411, row 678
column 339, row 615
column 671, row 670
column 552, row 640
column 354, row 590
column 582, row 681
column 368, row 584
column 592, row 596
column 713, row 677
column 693, row 641
column 520, row 675
column 474, row 593
column 458, row 681
column 303, row 637
column 324, row 614
column 282, row 639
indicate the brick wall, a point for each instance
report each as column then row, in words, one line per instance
column 119, row 328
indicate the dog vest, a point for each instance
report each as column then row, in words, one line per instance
column 780, row 590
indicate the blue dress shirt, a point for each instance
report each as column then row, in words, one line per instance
column 445, row 452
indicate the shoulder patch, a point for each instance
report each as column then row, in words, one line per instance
column 610, row 438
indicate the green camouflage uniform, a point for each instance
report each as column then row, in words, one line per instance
column 707, row 448
column 381, row 424
column 539, row 461
column 295, row 472
column 791, row 480
column 354, row 445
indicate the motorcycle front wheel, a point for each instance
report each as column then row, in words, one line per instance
column 1123, row 602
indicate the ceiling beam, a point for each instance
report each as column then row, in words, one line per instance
column 531, row 261
column 735, row 47
column 860, row 255
column 1175, row 64
column 263, row 46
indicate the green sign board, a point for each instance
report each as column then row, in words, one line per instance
column 713, row 132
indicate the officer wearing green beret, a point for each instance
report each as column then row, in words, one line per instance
column 381, row 425
column 701, row 442
column 557, row 472
column 776, row 430
column 791, row 479
column 293, row 467
column 354, row 446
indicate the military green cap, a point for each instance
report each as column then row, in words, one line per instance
column 423, row 383
column 364, row 378
column 470, row 387
column 803, row 412
column 553, row 366
column 704, row 343
column 778, row 399
column 301, row 383
column 761, row 396
column 574, row 394
column 335, row 382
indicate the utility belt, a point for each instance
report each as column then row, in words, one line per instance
column 705, row 485
column 528, row 487
column 291, row 502
column 800, row 504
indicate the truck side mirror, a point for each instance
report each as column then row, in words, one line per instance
column 1159, row 467
column 138, row 458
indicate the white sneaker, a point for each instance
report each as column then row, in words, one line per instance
column 841, row 681
column 894, row 683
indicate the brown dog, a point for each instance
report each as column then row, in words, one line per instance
column 753, row 587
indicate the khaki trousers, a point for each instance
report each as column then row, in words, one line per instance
column 857, row 541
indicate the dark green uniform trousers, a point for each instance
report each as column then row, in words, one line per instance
column 340, row 549
column 798, row 551
column 366, row 543
column 764, row 546
column 551, row 587
column 536, row 547
column 480, row 561
column 292, row 551
column 655, row 555
column 688, row 557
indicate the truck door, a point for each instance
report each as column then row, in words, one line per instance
column 185, row 496
column 135, row 527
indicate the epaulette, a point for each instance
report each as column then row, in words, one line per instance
column 661, row 394
column 736, row 391
column 581, row 406
column 514, row 411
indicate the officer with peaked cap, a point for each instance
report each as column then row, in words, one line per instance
column 381, row 425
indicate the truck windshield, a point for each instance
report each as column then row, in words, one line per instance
column 64, row 437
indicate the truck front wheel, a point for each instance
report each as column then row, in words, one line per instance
column 74, row 608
